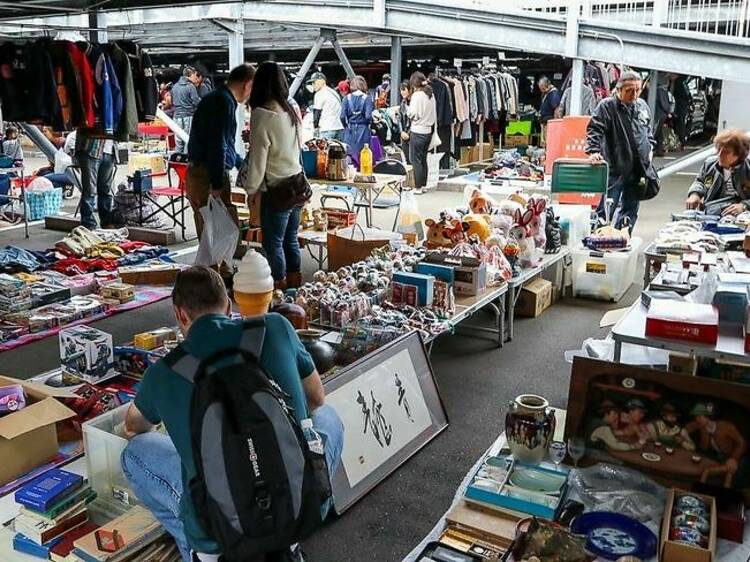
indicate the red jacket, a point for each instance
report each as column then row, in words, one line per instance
column 87, row 85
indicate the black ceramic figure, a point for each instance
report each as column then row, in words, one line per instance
column 322, row 353
column 553, row 232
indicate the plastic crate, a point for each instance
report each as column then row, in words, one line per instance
column 579, row 176
column 576, row 220
column 103, row 447
column 604, row 276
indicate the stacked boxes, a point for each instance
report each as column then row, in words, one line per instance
column 86, row 353
column 15, row 295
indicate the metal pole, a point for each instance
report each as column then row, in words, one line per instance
column 97, row 27
column 576, row 85
column 306, row 66
column 342, row 57
column 395, row 69
column 652, row 91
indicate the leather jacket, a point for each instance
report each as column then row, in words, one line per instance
column 709, row 183
column 622, row 140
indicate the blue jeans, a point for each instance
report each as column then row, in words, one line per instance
column 624, row 193
column 153, row 467
column 280, row 239
column 96, row 183
column 58, row 180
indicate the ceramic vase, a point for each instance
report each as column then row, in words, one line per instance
column 322, row 353
column 529, row 427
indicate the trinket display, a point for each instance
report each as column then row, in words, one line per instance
column 688, row 527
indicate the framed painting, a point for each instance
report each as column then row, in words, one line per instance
column 680, row 428
column 390, row 406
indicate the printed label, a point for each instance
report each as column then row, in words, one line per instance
column 594, row 267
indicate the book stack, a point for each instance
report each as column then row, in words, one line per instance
column 52, row 505
column 135, row 536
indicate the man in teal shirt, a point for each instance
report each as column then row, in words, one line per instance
column 157, row 465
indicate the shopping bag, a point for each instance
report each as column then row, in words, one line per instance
column 409, row 217
column 354, row 244
column 220, row 234
column 435, row 141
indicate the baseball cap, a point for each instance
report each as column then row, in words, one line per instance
column 317, row 76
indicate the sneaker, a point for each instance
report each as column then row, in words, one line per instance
column 418, row 191
column 296, row 553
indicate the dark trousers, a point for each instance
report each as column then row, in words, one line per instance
column 280, row 239
column 96, row 183
column 623, row 190
column 405, row 149
column 419, row 146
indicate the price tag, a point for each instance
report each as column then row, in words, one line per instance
column 501, row 55
column 458, row 63
column 485, row 61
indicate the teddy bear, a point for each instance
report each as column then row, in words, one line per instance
column 481, row 204
column 444, row 233
column 477, row 225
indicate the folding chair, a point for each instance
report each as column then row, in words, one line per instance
column 8, row 201
column 177, row 202
column 392, row 168
column 573, row 175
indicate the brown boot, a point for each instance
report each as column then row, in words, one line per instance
column 294, row 279
column 280, row 285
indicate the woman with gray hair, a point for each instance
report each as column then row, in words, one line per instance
column 356, row 116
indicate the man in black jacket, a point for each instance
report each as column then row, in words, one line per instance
column 620, row 134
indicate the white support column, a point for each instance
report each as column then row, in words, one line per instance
column 342, row 56
column 237, row 57
column 653, row 85
column 661, row 13
column 395, row 69
column 306, row 65
column 576, row 84
column 378, row 7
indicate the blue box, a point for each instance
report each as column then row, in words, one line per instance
column 442, row 272
column 731, row 299
column 516, row 504
column 44, row 491
column 423, row 283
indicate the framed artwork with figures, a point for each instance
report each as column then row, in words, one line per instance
column 680, row 428
column 390, row 408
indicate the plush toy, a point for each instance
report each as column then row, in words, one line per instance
column 509, row 207
column 444, row 233
column 306, row 217
column 502, row 222
column 481, row 204
column 519, row 197
column 320, row 220
column 553, row 231
column 477, row 225
column 521, row 233
column 538, row 206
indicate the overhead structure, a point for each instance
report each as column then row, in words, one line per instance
column 326, row 35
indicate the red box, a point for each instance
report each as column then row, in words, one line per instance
column 684, row 321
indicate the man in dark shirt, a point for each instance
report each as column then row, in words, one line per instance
column 211, row 149
column 620, row 133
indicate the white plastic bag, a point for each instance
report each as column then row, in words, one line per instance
column 409, row 217
column 220, row 234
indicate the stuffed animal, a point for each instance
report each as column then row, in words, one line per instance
column 538, row 206
column 553, row 231
column 509, row 207
column 521, row 233
column 480, row 203
column 502, row 222
column 519, row 197
column 320, row 220
column 444, row 233
column 477, row 225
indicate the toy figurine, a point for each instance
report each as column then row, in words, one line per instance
column 477, row 225
column 444, row 233
column 521, row 233
column 537, row 225
column 306, row 217
column 553, row 231
column 481, row 204
column 320, row 220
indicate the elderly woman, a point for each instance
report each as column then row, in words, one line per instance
column 356, row 115
column 722, row 186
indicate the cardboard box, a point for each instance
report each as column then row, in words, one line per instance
column 28, row 437
column 535, row 297
column 161, row 274
column 683, row 363
column 442, row 272
column 86, row 352
column 423, row 283
column 671, row 551
column 684, row 321
column 121, row 292
column 512, row 141
column 154, row 338
column 477, row 153
column 470, row 274
column 152, row 161
column 731, row 300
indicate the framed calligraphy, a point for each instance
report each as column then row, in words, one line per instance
column 390, row 406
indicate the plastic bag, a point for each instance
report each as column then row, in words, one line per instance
column 409, row 217
column 220, row 234
column 605, row 487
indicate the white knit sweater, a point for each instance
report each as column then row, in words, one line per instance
column 274, row 148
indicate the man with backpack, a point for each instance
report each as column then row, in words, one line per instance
column 235, row 479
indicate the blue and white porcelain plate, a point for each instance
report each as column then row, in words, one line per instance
column 612, row 535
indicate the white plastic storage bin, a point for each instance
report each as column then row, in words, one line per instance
column 576, row 219
column 604, row 275
column 103, row 446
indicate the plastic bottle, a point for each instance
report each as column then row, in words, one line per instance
column 321, row 163
column 314, row 441
column 365, row 160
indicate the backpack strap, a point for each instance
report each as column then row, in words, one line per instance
column 251, row 341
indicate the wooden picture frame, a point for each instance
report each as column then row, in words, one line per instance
column 681, row 429
column 390, row 406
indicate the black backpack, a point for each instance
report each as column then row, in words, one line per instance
column 256, row 490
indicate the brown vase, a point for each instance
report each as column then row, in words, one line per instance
column 529, row 427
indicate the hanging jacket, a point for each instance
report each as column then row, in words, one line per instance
column 104, row 118
column 66, row 85
column 13, row 81
column 87, row 90
column 117, row 101
column 144, row 82
column 128, row 126
column 44, row 105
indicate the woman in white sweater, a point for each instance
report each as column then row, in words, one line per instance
column 422, row 113
column 275, row 156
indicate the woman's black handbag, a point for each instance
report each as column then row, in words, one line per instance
column 290, row 192
column 649, row 186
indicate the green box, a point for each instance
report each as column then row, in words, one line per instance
column 579, row 177
column 518, row 128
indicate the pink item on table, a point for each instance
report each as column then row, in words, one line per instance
column 12, row 398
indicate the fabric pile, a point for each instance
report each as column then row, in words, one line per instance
column 687, row 236
column 106, row 89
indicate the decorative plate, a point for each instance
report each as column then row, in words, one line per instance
column 651, row 457
column 536, row 480
column 613, row 535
